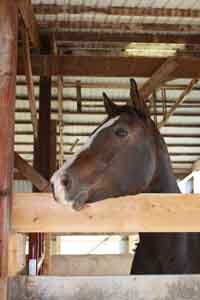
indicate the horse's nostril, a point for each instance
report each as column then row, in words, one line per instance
column 66, row 181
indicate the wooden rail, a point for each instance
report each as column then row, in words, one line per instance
column 142, row 213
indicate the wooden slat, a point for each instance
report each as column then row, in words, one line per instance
column 159, row 77
column 31, row 174
column 141, row 213
column 26, row 11
column 29, row 80
column 140, row 287
column 189, row 67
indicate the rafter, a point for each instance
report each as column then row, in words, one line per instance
column 161, row 75
column 108, row 66
column 28, row 17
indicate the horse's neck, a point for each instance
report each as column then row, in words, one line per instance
column 165, row 181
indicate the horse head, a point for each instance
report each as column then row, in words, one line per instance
column 119, row 158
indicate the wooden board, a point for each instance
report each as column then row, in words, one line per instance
column 141, row 213
column 26, row 11
column 17, row 254
column 184, row 287
column 91, row 265
column 136, row 66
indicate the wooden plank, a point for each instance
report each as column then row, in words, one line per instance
column 141, row 287
column 17, row 254
column 124, row 26
column 161, row 75
column 50, row 9
column 27, row 14
column 140, row 213
column 188, row 67
column 31, row 174
column 8, row 66
column 29, row 80
column 178, row 102
column 128, row 37
column 91, row 265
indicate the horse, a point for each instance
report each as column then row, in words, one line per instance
column 127, row 155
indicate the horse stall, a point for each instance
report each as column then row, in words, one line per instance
column 56, row 59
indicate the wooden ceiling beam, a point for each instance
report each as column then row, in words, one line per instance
column 122, row 26
column 107, row 66
column 129, row 37
column 116, row 11
column 28, row 17
column 161, row 75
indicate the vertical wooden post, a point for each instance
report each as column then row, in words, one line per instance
column 42, row 145
column 8, row 63
column 52, row 168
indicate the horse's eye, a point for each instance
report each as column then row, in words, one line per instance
column 121, row 132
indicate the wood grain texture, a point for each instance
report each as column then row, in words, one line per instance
column 140, row 213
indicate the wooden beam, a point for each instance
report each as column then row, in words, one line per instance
column 31, row 174
column 27, row 14
column 179, row 101
column 46, row 65
column 122, row 26
column 17, row 254
column 129, row 37
column 8, row 66
column 29, row 80
column 91, row 265
column 140, row 213
column 159, row 77
column 54, row 9
column 151, row 287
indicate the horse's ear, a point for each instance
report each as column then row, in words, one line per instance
column 135, row 99
column 110, row 107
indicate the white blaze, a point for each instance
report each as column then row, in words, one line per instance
column 86, row 146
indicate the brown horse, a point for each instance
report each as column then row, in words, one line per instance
column 126, row 155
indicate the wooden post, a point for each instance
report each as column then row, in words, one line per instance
column 8, row 63
column 42, row 145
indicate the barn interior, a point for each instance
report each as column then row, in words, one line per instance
column 67, row 53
